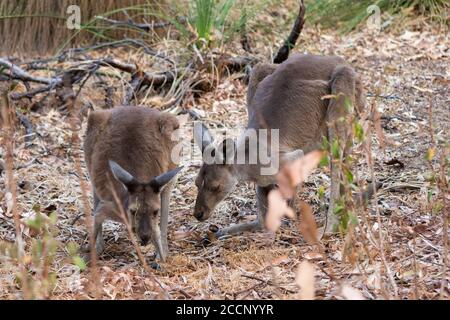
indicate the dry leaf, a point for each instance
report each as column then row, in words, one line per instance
column 296, row 172
column 350, row 293
column 308, row 226
column 305, row 280
column 180, row 234
column 278, row 208
column 313, row 256
column 422, row 89
column 281, row 260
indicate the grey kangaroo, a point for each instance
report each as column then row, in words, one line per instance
column 287, row 97
column 128, row 156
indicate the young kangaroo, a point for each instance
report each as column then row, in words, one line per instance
column 127, row 152
column 287, row 97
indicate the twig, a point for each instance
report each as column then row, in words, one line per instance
column 133, row 87
column 268, row 282
column 156, row 80
column 17, row 73
column 377, row 209
column 443, row 187
column 72, row 52
column 8, row 132
column 69, row 99
column 109, row 92
column 141, row 257
column 77, row 74
column 248, row 290
column 401, row 186
column 29, row 135
column 32, row 93
column 283, row 52
column 389, row 96
column 119, row 43
column 147, row 27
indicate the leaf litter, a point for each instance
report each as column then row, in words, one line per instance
column 410, row 69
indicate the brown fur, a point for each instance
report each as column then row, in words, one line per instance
column 139, row 140
column 287, row 97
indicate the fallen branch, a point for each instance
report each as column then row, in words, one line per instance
column 77, row 74
column 283, row 52
column 73, row 52
column 32, row 93
column 16, row 73
column 155, row 80
column 114, row 44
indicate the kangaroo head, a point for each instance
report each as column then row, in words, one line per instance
column 217, row 177
column 144, row 203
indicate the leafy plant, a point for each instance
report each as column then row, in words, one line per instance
column 209, row 16
column 34, row 268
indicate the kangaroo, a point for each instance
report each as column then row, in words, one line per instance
column 127, row 152
column 287, row 97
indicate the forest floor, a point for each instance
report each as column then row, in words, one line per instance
column 411, row 71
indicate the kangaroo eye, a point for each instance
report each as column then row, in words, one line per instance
column 214, row 189
column 155, row 212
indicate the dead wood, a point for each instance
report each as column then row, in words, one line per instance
column 13, row 72
column 155, row 80
column 71, row 53
column 75, row 75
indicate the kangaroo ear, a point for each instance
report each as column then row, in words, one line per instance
column 202, row 136
column 123, row 176
column 160, row 181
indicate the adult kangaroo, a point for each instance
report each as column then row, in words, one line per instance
column 287, row 97
column 128, row 156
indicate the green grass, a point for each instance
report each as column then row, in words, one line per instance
column 208, row 16
column 348, row 14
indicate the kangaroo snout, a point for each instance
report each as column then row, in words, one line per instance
column 200, row 215
column 144, row 240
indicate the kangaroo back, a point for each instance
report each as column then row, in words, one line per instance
column 138, row 138
column 289, row 97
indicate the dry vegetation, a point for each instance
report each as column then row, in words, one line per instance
column 47, row 19
column 406, row 74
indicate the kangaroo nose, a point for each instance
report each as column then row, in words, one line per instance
column 200, row 216
column 144, row 240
